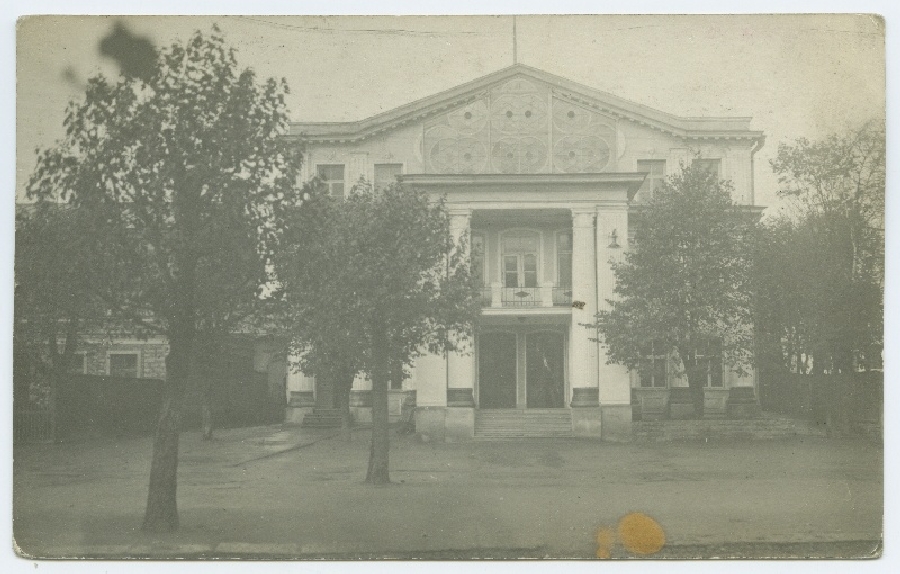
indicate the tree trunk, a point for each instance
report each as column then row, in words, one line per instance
column 343, row 404
column 206, row 420
column 206, row 416
column 378, row 472
column 697, row 384
column 162, row 511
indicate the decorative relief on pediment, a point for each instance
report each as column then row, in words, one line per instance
column 519, row 155
column 581, row 154
column 519, row 127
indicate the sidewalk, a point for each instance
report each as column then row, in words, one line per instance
column 288, row 492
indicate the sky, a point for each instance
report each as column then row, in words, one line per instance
column 795, row 75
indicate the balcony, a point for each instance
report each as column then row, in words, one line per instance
column 547, row 295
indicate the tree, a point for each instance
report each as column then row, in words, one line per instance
column 684, row 286
column 835, row 192
column 194, row 175
column 57, row 286
column 371, row 282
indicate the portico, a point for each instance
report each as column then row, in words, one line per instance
column 541, row 246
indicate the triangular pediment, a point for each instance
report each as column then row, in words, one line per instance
column 521, row 85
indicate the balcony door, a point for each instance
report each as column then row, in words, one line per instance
column 520, row 268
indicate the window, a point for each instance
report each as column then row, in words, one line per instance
column 386, row 174
column 478, row 257
column 653, row 369
column 711, row 362
column 520, row 259
column 333, row 177
column 713, row 166
column 564, row 259
column 656, row 174
column 124, row 365
column 78, row 363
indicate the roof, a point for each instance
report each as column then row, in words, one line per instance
column 689, row 128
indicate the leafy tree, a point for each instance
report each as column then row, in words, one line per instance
column 195, row 174
column 372, row 282
column 684, row 287
column 833, row 257
column 58, row 283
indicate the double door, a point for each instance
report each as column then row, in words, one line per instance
column 521, row 369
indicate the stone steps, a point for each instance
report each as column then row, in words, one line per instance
column 522, row 423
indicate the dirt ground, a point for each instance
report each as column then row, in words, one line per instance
column 287, row 492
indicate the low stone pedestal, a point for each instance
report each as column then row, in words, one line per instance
column 616, row 423
column 587, row 421
column 431, row 423
column 459, row 424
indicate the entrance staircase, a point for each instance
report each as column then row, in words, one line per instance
column 322, row 419
column 522, row 423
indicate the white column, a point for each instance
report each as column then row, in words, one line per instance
column 461, row 365
column 582, row 351
column 615, row 384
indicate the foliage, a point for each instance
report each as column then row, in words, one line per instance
column 684, row 286
column 372, row 281
column 820, row 266
column 194, row 178
column 57, row 282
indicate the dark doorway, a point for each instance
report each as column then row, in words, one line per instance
column 544, row 372
column 497, row 371
column 324, row 393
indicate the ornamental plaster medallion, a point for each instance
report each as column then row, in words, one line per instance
column 581, row 154
column 519, row 155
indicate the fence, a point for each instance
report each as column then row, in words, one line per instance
column 31, row 425
column 88, row 404
column 854, row 402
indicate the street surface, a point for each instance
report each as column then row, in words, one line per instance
column 287, row 492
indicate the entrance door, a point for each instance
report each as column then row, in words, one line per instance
column 324, row 393
column 497, row 371
column 544, row 370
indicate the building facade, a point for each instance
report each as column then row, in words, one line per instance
column 545, row 177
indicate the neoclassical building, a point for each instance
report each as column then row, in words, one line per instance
column 546, row 178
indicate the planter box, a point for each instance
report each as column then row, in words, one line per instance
column 681, row 403
column 715, row 403
column 654, row 403
column 742, row 403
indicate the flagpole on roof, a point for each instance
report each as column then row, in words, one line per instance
column 515, row 43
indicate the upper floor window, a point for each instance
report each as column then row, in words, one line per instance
column 656, row 174
column 478, row 257
column 713, row 166
column 125, row 365
column 564, row 259
column 332, row 175
column 386, row 174
column 520, row 251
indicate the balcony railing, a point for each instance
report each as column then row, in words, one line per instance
column 547, row 295
column 562, row 296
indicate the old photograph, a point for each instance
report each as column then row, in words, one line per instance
column 586, row 287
